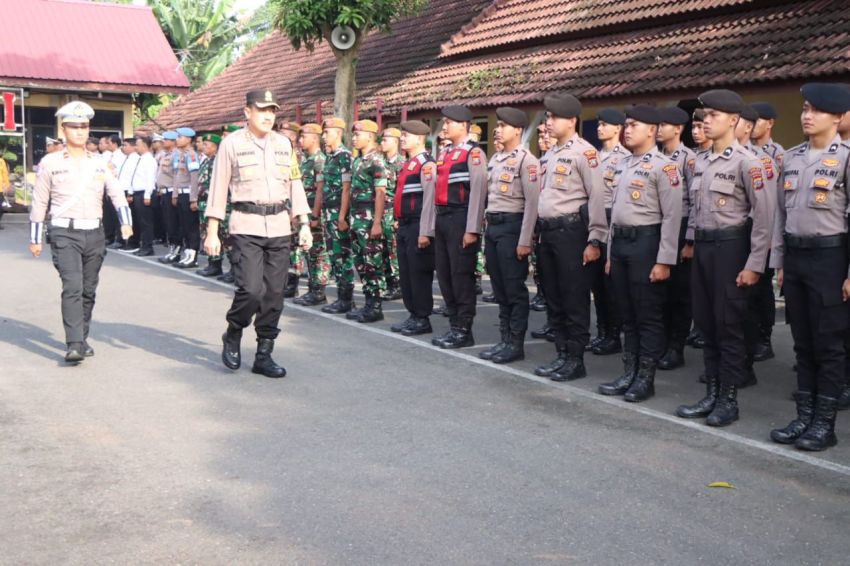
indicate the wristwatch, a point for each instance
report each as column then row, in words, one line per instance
column 595, row 243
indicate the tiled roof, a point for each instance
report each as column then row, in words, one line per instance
column 301, row 77
column 795, row 41
column 45, row 43
column 507, row 22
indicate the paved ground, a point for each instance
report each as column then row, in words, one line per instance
column 376, row 449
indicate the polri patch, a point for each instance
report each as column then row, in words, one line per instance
column 592, row 160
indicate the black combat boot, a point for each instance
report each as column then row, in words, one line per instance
column 213, row 268
column 74, row 353
column 228, row 276
column 459, row 337
column 763, row 349
column 620, row 385
column 600, row 336
column 726, row 408
column 263, row 362
column 514, row 350
column 844, row 398
column 821, row 433
column 538, row 303
column 399, row 326
column 547, row 370
column 354, row 313
column 172, row 255
column 315, row 296
column 504, row 337
column 572, row 369
column 231, row 355
column 546, row 332
column 478, row 289
column 805, row 413
column 643, row 387
column 344, row 302
column 372, row 312
column 673, row 358
column 291, row 289
column 704, row 406
column 610, row 343
column 418, row 326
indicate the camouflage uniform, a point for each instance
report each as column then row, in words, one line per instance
column 368, row 181
column 204, row 178
column 337, row 170
column 316, row 259
column 390, row 263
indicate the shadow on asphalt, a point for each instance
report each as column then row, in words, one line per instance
column 31, row 338
column 176, row 347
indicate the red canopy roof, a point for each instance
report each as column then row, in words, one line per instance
column 86, row 45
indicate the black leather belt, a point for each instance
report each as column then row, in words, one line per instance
column 441, row 210
column 503, row 217
column 262, row 209
column 634, row 232
column 815, row 242
column 547, row 224
column 721, row 234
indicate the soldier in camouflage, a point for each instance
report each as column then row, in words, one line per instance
column 389, row 147
column 210, row 148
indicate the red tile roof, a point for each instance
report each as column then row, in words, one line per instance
column 507, row 22
column 86, row 45
column 797, row 41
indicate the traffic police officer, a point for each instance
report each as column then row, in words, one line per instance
column 513, row 192
column 68, row 197
column 644, row 246
column 258, row 168
column 732, row 219
column 810, row 251
column 572, row 227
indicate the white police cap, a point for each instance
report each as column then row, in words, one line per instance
column 76, row 112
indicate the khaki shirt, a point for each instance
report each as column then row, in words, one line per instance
column 259, row 171
column 514, row 186
column 610, row 160
column 686, row 160
column 164, row 173
column 815, row 195
column 648, row 192
column 728, row 188
column 572, row 177
column 186, row 165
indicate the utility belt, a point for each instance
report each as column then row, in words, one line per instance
column 163, row 190
column 814, row 242
column 558, row 222
column 722, row 234
column 262, row 209
column 76, row 223
column 635, row 232
column 494, row 218
column 443, row 209
column 183, row 191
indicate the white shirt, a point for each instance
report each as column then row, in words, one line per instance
column 127, row 172
column 116, row 160
column 145, row 177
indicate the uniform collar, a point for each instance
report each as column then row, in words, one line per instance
column 726, row 153
column 557, row 148
column 502, row 156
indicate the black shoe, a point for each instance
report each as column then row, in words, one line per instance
column 354, row 313
column 291, row 289
column 74, row 354
column 704, row 406
column 88, row 351
column 231, row 355
column 672, row 359
column 514, row 350
column 314, row 297
column 538, row 303
column 419, row 326
column 438, row 340
column 600, row 336
column 344, row 302
column 545, row 333
column 821, row 433
column 504, row 337
column 228, row 277
column 478, row 289
column 399, row 326
column 213, row 269
column 698, row 342
column 572, row 369
column 393, row 294
column 725, row 410
column 127, row 248
column 372, row 312
column 144, row 253
column 805, row 413
column 459, row 338
column 763, row 351
column 620, row 385
column 609, row 345
column 440, row 309
column 115, row 246
column 489, row 298
column 643, row 386
column 692, row 336
column 547, row 370
column 751, row 378
column 844, row 399
column 263, row 362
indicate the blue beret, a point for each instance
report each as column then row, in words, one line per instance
column 766, row 110
column 827, row 97
column 611, row 116
column 169, row 135
column 188, row 132
column 673, row 115
column 643, row 113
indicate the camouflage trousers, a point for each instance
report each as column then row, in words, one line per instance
column 480, row 267
column 338, row 245
column 223, row 229
column 390, row 256
column 315, row 260
column 368, row 252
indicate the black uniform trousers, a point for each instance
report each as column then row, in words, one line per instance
column 608, row 315
column 77, row 256
column 720, row 306
column 415, row 269
column 455, row 265
column 677, row 307
column 259, row 265
column 818, row 316
column 143, row 220
column 641, row 302
column 567, row 285
column 157, row 217
column 763, row 303
column 507, row 273
column 173, row 234
column 190, row 223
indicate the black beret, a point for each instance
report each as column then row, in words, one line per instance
column 766, row 110
column 646, row 114
column 458, row 113
column 827, row 97
column 512, row 116
column 130, row 140
column 611, row 116
column 673, row 115
column 562, row 105
column 699, row 115
column 723, row 100
column 749, row 113
column 417, row 127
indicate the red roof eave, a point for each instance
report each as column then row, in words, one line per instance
column 84, row 86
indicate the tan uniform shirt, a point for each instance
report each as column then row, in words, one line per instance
column 514, row 186
column 477, row 163
column 815, row 195
column 610, row 160
column 686, row 160
column 648, row 192
column 728, row 187
column 164, row 173
column 573, row 177
column 186, row 171
column 259, row 171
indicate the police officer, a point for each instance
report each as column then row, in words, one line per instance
column 644, row 247
column 810, row 251
column 185, row 163
column 390, row 141
column 459, row 200
column 210, row 149
column 732, row 219
column 677, row 306
column 165, row 185
column 414, row 211
column 68, row 198
column 703, row 146
column 608, row 320
column 513, row 192
column 258, row 168
column 572, row 227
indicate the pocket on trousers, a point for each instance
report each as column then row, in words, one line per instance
column 735, row 303
column 835, row 315
column 235, row 256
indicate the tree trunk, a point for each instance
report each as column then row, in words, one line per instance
column 345, row 87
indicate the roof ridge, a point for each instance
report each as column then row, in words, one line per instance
column 494, row 7
column 105, row 4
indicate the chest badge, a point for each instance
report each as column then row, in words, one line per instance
column 821, row 197
column 822, row 183
column 503, row 188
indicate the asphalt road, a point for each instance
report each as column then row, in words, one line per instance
column 376, row 449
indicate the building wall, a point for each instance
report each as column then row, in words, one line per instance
column 56, row 100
